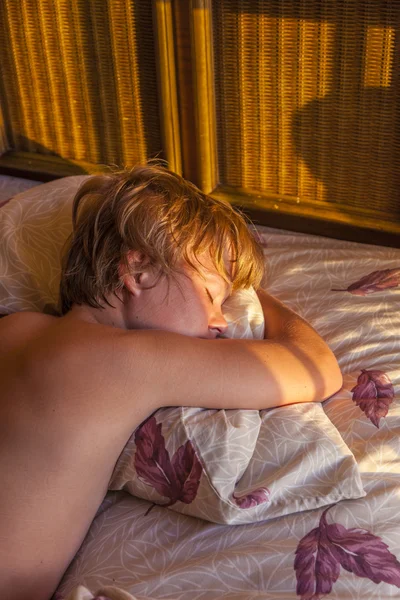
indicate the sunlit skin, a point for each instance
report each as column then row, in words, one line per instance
column 74, row 389
column 193, row 310
column 85, row 423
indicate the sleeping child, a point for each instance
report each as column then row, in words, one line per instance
column 145, row 274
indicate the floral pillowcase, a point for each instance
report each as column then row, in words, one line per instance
column 238, row 466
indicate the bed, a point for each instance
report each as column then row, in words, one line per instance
column 290, row 110
column 348, row 548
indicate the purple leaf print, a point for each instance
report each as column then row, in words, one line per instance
column 188, row 470
column 254, row 498
column 373, row 394
column 176, row 480
column 316, row 569
column 152, row 461
column 374, row 282
column 364, row 554
column 324, row 549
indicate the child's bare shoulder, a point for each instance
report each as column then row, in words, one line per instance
column 73, row 369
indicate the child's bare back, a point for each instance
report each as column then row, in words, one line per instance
column 72, row 392
column 55, row 463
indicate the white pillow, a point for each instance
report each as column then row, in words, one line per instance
column 34, row 226
column 238, row 466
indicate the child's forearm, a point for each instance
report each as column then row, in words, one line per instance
column 285, row 325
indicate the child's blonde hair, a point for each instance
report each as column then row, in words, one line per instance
column 159, row 214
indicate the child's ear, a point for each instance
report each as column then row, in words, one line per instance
column 132, row 282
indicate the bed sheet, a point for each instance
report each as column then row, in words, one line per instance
column 350, row 293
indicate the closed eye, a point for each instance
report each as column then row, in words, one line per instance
column 209, row 295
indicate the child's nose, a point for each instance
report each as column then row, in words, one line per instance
column 218, row 324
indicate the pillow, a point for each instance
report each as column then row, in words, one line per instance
column 238, row 466
column 225, row 466
column 34, row 226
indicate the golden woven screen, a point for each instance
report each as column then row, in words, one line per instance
column 78, row 79
column 308, row 100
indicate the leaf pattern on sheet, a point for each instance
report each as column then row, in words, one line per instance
column 321, row 553
column 376, row 281
column 373, row 393
column 178, row 479
column 253, row 498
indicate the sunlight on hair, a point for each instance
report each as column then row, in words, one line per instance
column 166, row 219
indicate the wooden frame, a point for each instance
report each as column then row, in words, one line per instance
column 3, row 137
column 204, row 97
column 345, row 222
column 184, row 48
column 165, row 52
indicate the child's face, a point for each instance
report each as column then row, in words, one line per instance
column 196, row 311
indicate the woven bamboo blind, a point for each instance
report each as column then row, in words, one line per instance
column 78, row 79
column 308, row 100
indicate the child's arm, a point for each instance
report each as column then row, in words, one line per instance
column 284, row 325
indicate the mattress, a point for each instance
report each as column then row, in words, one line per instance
column 350, row 294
